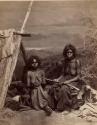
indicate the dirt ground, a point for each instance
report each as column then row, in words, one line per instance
column 31, row 117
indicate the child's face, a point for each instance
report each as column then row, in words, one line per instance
column 35, row 64
column 69, row 53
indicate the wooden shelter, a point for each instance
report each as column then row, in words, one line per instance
column 10, row 45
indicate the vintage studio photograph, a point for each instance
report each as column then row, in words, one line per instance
column 48, row 62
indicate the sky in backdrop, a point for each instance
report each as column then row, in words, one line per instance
column 51, row 23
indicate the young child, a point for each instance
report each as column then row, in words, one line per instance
column 35, row 78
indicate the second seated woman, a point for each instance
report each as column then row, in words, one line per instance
column 71, row 75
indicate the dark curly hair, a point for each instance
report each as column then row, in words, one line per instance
column 30, row 60
column 69, row 47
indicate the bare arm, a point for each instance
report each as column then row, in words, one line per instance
column 72, row 80
column 58, row 79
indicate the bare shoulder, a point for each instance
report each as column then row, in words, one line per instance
column 29, row 73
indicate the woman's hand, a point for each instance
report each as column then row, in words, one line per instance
column 56, row 80
column 66, row 82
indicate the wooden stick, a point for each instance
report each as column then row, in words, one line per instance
column 22, row 34
column 26, row 17
column 22, row 30
column 63, row 84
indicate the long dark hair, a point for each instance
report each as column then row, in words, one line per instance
column 30, row 61
column 69, row 47
column 66, row 60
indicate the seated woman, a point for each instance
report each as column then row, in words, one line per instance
column 35, row 79
column 69, row 82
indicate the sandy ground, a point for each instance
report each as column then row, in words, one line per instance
column 32, row 117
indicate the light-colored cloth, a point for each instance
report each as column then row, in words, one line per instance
column 88, row 111
column 16, row 98
column 39, row 97
column 6, row 43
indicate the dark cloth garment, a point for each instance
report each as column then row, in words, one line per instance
column 39, row 97
column 63, row 95
column 64, row 98
column 25, row 100
column 60, row 97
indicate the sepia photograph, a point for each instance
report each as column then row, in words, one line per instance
column 48, row 62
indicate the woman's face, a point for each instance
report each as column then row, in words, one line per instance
column 35, row 64
column 69, row 53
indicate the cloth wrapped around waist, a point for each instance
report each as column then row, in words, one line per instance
column 35, row 85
